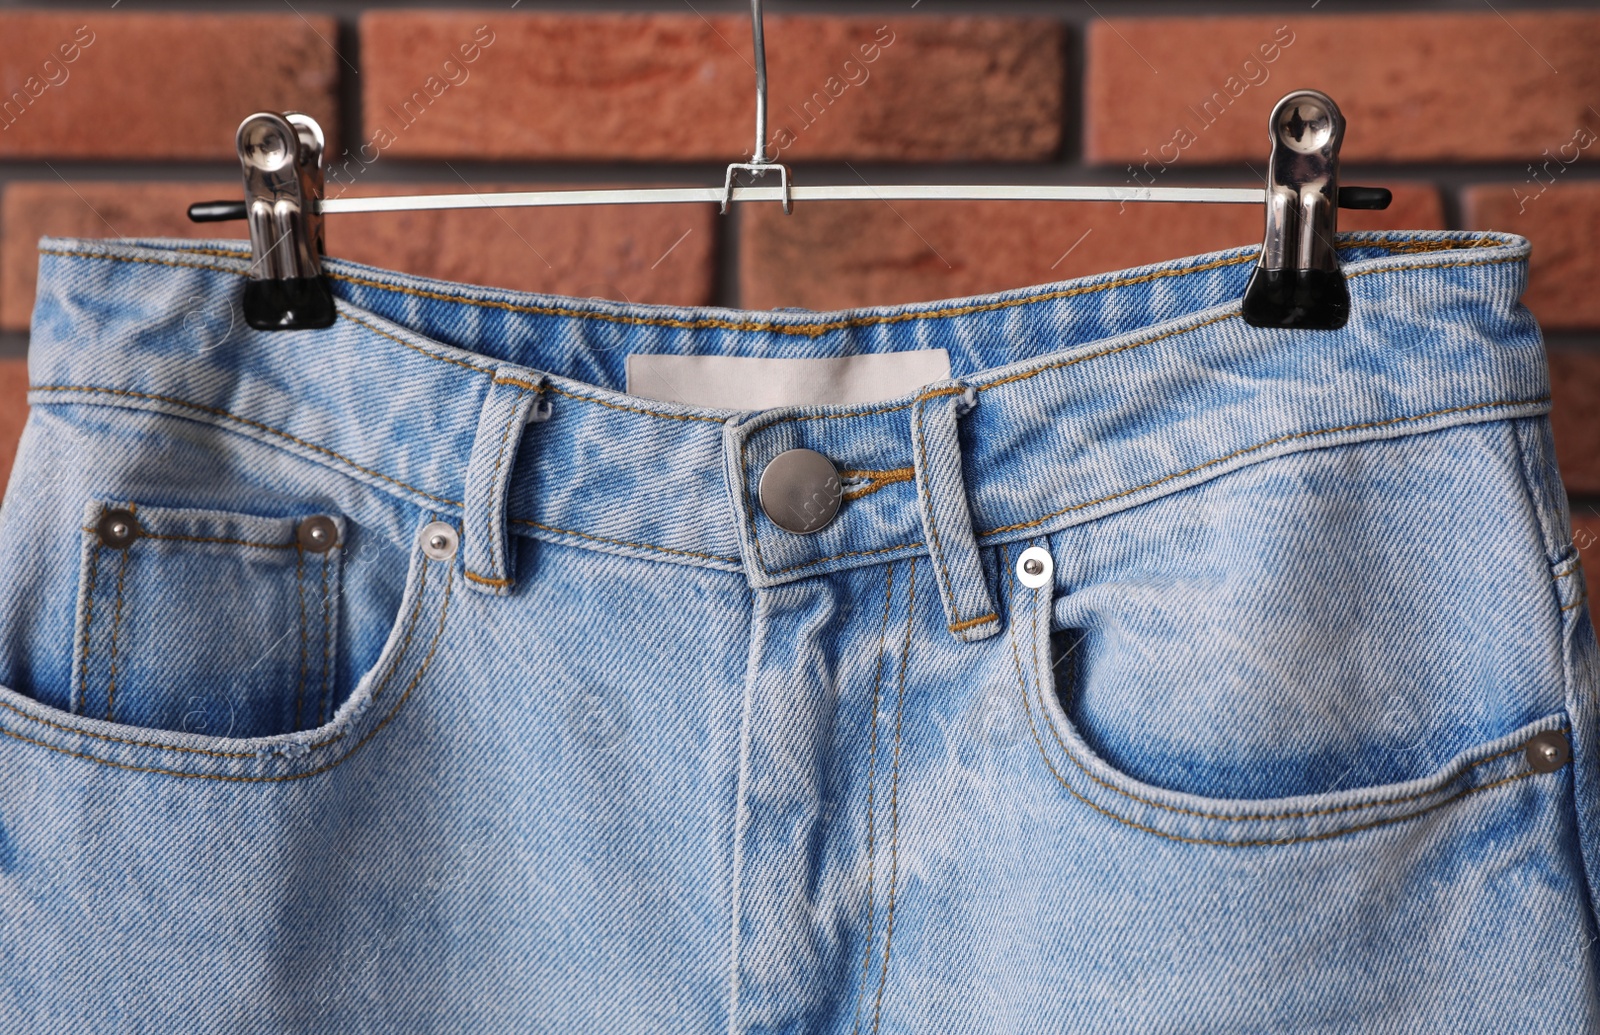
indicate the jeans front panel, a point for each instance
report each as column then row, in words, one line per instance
column 1255, row 753
column 519, row 801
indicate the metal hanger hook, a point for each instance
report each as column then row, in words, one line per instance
column 759, row 165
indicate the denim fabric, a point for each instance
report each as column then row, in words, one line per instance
column 618, row 753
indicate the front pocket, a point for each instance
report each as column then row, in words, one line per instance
column 207, row 622
column 1538, row 750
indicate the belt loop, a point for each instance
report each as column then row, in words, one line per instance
column 509, row 405
column 946, row 519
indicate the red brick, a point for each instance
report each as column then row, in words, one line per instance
column 1562, row 222
column 13, row 411
column 1586, row 537
column 1422, row 86
column 615, row 252
column 30, row 210
column 830, row 255
column 681, row 87
column 1575, row 418
column 158, row 85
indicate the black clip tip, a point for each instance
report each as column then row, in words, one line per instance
column 300, row 303
column 1365, row 197
column 216, row 211
column 1315, row 300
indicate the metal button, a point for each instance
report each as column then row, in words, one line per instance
column 117, row 528
column 1034, row 567
column 1547, row 751
column 800, row 491
column 439, row 540
column 317, row 534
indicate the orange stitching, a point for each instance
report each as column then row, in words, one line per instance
column 146, row 261
column 248, row 423
column 223, row 252
column 366, row 470
column 327, row 640
column 416, row 609
column 1576, row 603
column 1409, row 247
column 872, row 776
column 750, row 511
column 894, row 474
column 876, row 480
column 116, row 626
column 426, row 662
column 512, row 381
column 811, row 330
column 393, row 669
column 1023, row 376
column 487, row 582
column 1082, row 359
column 142, row 534
column 624, row 542
column 601, row 402
column 1332, row 810
column 1062, row 364
column 1039, row 684
column 88, row 617
column 847, row 553
column 415, row 347
column 970, row 622
column 1264, row 445
column 1438, row 266
column 496, row 499
column 925, row 492
column 634, row 409
column 894, row 800
column 300, row 584
column 746, row 493
column 806, row 330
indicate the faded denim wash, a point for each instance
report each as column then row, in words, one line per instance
column 633, row 758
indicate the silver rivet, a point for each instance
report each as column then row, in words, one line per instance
column 439, row 541
column 1034, row 567
column 1548, row 751
column 800, row 491
column 317, row 534
column 117, row 528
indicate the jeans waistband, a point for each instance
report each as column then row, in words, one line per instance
column 1077, row 399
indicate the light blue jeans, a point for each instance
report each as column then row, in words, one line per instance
column 1287, row 722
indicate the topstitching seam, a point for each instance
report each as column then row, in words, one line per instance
column 1039, row 683
column 394, row 668
column 497, row 503
column 872, row 772
column 416, row 679
column 801, row 329
column 215, row 411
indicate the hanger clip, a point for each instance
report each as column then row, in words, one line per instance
column 758, row 168
column 1297, row 281
column 282, row 160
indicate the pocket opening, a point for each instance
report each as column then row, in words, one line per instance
column 1090, row 779
column 411, row 638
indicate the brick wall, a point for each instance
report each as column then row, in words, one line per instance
column 1477, row 117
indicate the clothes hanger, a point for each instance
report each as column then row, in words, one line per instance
column 1296, row 283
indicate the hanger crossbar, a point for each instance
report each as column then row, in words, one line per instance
column 901, row 192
